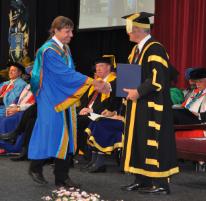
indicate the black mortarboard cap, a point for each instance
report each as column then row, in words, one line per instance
column 108, row 59
column 199, row 73
column 140, row 19
column 102, row 59
column 188, row 72
column 17, row 65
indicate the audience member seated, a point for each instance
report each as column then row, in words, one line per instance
column 14, row 115
column 193, row 110
column 10, row 90
column 14, row 111
column 104, row 136
column 92, row 101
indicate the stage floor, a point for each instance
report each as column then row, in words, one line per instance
column 15, row 184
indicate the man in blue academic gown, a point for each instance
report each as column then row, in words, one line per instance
column 57, row 87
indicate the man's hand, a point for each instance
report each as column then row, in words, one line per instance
column 12, row 110
column 85, row 111
column 101, row 86
column 132, row 94
column 108, row 113
column 118, row 117
column 196, row 114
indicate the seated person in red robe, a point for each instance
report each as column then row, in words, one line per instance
column 20, row 119
column 11, row 90
column 193, row 110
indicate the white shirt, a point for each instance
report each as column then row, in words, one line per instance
column 58, row 42
column 199, row 105
column 142, row 42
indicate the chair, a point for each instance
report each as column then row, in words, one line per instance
column 191, row 145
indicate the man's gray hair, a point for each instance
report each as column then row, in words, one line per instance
column 148, row 31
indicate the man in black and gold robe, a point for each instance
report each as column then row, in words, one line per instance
column 99, row 103
column 149, row 147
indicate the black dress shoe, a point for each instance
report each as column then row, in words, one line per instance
column 19, row 158
column 131, row 187
column 37, row 177
column 87, row 166
column 68, row 183
column 22, row 156
column 95, row 169
column 8, row 136
column 154, row 190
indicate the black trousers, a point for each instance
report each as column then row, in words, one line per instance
column 61, row 168
column 26, row 124
column 30, row 113
column 184, row 116
column 82, row 122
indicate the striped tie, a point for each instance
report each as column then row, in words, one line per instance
column 136, row 55
column 93, row 98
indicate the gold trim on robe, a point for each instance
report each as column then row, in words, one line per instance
column 154, row 80
column 75, row 97
column 158, row 59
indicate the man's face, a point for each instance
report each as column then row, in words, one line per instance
column 102, row 70
column 201, row 84
column 136, row 35
column 14, row 73
column 64, row 35
column 192, row 84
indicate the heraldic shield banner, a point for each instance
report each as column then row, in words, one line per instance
column 18, row 31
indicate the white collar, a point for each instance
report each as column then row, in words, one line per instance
column 58, row 41
column 105, row 79
column 12, row 81
column 142, row 42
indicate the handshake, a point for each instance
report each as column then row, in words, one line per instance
column 101, row 86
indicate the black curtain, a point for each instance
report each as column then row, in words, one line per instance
column 47, row 10
column 4, row 26
column 85, row 45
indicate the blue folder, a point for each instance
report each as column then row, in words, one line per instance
column 128, row 76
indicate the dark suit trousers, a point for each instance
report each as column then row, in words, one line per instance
column 29, row 114
column 82, row 122
column 61, row 168
column 184, row 116
column 26, row 124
